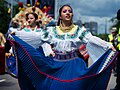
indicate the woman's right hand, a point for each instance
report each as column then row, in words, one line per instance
column 52, row 54
column 8, row 55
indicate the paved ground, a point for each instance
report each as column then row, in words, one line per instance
column 112, row 82
column 11, row 83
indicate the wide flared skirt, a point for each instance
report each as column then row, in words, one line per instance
column 37, row 72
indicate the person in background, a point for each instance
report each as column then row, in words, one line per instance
column 14, row 26
column 117, row 45
column 2, row 55
column 113, row 38
column 2, row 40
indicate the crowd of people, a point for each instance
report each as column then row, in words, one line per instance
column 49, row 58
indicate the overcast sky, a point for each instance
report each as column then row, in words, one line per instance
column 93, row 10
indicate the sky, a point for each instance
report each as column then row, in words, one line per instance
column 100, row 11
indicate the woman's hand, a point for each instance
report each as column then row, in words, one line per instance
column 113, row 48
column 7, row 55
column 52, row 54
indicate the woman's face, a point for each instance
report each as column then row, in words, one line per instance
column 31, row 19
column 66, row 14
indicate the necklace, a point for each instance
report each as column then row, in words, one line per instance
column 33, row 28
column 64, row 28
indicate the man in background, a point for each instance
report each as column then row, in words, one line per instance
column 117, row 44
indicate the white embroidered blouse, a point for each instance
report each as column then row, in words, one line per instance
column 66, row 42
column 31, row 37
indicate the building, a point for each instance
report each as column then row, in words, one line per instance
column 9, row 3
column 79, row 23
column 92, row 27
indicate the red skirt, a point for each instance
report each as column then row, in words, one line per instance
column 2, row 60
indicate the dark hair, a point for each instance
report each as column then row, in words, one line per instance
column 114, row 26
column 60, row 10
column 34, row 14
column 118, row 14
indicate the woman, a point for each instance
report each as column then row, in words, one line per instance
column 69, row 32
column 14, row 27
column 62, row 67
column 31, row 34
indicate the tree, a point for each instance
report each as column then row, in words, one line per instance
column 15, row 9
column 103, row 36
column 4, row 18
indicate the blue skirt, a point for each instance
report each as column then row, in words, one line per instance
column 11, row 66
column 37, row 72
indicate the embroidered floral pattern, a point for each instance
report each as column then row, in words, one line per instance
column 71, row 36
column 83, row 34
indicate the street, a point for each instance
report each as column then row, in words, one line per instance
column 11, row 83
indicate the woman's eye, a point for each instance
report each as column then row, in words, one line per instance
column 69, row 11
column 64, row 11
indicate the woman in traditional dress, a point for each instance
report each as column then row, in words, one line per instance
column 31, row 34
column 62, row 67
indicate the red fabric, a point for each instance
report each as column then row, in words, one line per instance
column 20, row 4
column 83, row 51
column 2, row 60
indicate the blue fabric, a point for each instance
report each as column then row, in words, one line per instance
column 11, row 66
column 44, row 73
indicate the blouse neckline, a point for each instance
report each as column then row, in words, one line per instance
column 72, row 31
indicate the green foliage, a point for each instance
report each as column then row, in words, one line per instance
column 103, row 36
column 15, row 10
column 4, row 17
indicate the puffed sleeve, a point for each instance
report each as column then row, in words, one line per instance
column 88, row 37
column 46, row 37
column 96, row 47
column 47, row 49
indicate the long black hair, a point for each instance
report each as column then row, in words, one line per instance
column 60, row 10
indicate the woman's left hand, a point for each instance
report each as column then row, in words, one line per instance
column 113, row 48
